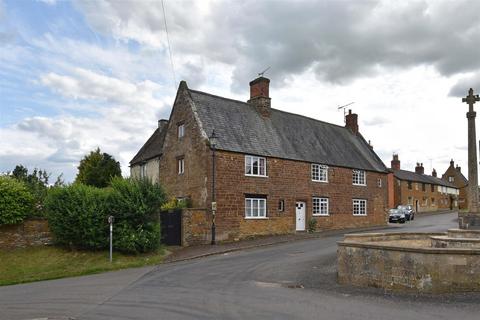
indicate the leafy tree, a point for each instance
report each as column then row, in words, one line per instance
column 15, row 200
column 37, row 184
column 97, row 169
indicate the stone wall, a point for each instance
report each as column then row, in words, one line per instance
column 32, row 232
column 291, row 181
column 196, row 226
column 192, row 147
column 369, row 260
column 151, row 170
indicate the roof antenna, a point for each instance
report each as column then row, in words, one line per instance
column 344, row 110
column 260, row 74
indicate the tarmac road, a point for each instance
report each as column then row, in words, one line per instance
column 293, row 280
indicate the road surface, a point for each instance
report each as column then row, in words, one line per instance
column 287, row 281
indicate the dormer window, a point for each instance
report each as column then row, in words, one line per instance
column 255, row 166
column 180, row 130
column 358, row 178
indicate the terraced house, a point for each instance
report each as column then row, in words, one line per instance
column 274, row 171
column 424, row 192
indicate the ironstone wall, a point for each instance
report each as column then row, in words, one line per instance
column 31, row 232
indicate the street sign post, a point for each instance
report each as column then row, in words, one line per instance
column 110, row 221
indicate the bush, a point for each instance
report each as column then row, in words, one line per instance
column 174, row 203
column 16, row 202
column 78, row 215
column 134, row 204
column 312, row 225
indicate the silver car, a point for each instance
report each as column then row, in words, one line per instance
column 408, row 210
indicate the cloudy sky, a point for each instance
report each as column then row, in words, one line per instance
column 75, row 75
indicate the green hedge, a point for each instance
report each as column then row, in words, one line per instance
column 78, row 214
column 134, row 204
column 16, row 202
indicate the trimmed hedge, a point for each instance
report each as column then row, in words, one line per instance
column 16, row 202
column 78, row 215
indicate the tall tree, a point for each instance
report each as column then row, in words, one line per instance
column 97, row 169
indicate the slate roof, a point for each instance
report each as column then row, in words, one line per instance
column 152, row 148
column 423, row 178
column 241, row 128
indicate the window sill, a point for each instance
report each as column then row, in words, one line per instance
column 320, row 181
column 360, row 215
column 255, row 175
column 360, row 185
column 320, row 215
column 256, row 218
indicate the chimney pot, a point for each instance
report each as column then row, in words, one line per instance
column 434, row 173
column 419, row 168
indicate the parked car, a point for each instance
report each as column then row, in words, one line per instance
column 408, row 210
column 396, row 215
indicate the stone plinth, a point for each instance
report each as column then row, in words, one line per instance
column 468, row 220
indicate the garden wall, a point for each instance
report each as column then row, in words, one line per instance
column 31, row 232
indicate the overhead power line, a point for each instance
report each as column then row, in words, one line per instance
column 169, row 47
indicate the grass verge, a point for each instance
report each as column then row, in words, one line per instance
column 44, row 263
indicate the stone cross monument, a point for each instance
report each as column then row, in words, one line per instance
column 471, row 220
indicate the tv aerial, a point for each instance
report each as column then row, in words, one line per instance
column 344, row 109
column 260, row 74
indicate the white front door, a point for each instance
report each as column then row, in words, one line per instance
column 300, row 215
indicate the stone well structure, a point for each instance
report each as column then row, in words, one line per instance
column 412, row 262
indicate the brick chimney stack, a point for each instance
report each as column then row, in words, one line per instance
column 351, row 121
column 259, row 95
column 395, row 163
column 434, row 173
column 458, row 168
column 452, row 164
column 419, row 168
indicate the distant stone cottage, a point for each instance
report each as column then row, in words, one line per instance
column 425, row 193
column 275, row 170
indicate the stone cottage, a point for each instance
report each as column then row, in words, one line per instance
column 424, row 192
column 454, row 175
column 275, row 171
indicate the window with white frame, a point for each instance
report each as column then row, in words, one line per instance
column 255, row 166
column 359, row 178
column 451, row 179
column 379, row 182
column 359, row 207
column 319, row 172
column 255, row 208
column 181, row 166
column 320, row 206
column 181, row 130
